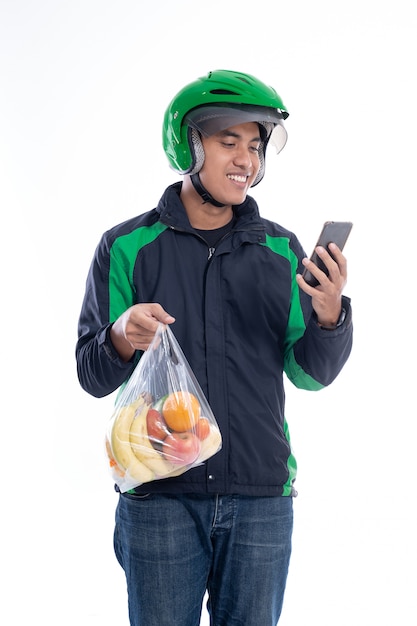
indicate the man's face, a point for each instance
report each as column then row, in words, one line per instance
column 231, row 162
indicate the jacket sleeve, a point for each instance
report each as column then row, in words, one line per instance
column 100, row 369
column 317, row 358
column 313, row 356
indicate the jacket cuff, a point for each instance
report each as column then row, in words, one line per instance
column 105, row 344
column 345, row 318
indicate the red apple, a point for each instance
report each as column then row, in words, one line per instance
column 181, row 448
column 202, row 428
column 156, row 426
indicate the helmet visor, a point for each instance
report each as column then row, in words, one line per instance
column 212, row 119
column 278, row 137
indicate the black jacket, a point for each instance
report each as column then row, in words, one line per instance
column 241, row 322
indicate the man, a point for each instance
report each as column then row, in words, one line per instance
column 229, row 282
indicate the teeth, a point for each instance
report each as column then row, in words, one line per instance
column 237, row 178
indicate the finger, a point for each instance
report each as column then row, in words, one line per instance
column 161, row 315
column 138, row 339
column 308, row 289
column 331, row 262
column 340, row 259
column 318, row 273
column 148, row 316
column 336, row 266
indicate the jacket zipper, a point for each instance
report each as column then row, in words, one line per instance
column 211, row 250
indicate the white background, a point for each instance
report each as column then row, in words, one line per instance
column 84, row 85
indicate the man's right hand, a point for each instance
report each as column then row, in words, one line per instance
column 136, row 327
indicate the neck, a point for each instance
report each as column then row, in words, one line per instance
column 203, row 215
column 202, row 191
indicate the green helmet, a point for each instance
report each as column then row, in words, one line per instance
column 212, row 103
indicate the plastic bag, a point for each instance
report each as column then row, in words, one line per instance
column 162, row 424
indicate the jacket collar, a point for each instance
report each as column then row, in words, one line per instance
column 172, row 211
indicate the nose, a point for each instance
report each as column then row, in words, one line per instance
column 243, row 157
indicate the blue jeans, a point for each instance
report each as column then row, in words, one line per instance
column 174, row 547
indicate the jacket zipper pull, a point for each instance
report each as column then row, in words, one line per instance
column 211, row 252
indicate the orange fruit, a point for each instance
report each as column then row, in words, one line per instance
column 202, row 429
column 181, row 411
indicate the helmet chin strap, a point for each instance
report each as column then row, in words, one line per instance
column 202, row 191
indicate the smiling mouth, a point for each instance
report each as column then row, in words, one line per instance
column 239, row 178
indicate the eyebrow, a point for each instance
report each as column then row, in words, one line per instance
column 231, row 133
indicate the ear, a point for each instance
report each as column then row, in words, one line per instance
column 197, row 151
column 261, row 170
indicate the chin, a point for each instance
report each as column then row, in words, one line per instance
column 239, row 198
column 231, row 199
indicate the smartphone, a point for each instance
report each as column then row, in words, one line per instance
column 332, row 232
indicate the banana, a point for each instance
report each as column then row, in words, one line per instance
column 121, row 448
column 143, row 448
column 117, row 472
column 176, row 471
column 131, row 454
column 211, row 444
